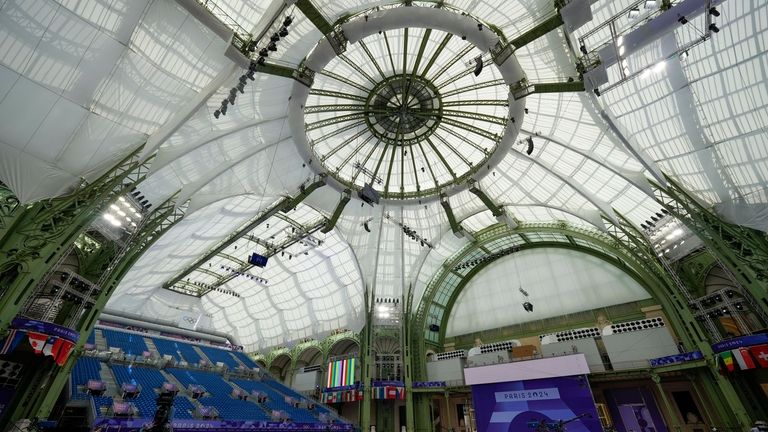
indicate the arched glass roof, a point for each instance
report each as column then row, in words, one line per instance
column 83, row 84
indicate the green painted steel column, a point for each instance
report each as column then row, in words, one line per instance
column 367, row 364
column 154, row 226
column 44, row 232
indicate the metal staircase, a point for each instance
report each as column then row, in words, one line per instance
column 101, row 342
column 202, row 354
column 113, row 388
column 151, row 347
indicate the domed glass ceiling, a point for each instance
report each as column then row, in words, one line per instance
column 83, row 84
column 403, row 111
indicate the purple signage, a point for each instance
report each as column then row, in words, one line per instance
column 538, row 404
column 124, row 425
column 51, row 329
column 676, row 358
column 741, row 341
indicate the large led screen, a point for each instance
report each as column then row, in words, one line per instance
column 548, row 404
column 341, row 373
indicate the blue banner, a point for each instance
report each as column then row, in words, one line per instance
column 428, row 384
column 126, row 425
column 741, row 341
column 677, row 358
column 48, row 328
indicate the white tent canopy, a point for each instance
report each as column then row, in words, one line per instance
column 82, row 84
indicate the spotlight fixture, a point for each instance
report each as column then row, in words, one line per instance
column 714, row 12
column 217, row 113
column 272, row 46
column 528, row 306
column 597, row 92
column 283, row 32
column 583, row 49
column 224, row 109
column 287, row 21
column 463, row 37
column 713, row 28
column 529, row 140
column 275, row 37
column 261, row 61
column 682, row 20
column 480, row 26
column 263, row 52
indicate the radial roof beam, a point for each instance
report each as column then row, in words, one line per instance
column 538, row 31
column 345, row 197
column 496, row 210
column 456, row 227
column 303, row 194
column 524, row 88
column 313, row 14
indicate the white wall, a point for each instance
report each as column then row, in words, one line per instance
column 558, row 281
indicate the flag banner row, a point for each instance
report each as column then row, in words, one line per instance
column 388, row 392
column 57, row 347
column 753, row 357
column 342, row 396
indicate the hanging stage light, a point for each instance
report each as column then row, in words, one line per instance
column 263, row 52
column 529, row 140
column 583, row 49
column 283, row 32
column 713, row 28
column 261, row 61
column 272, row 46
column 275, row 37
column 682, row 20
column 217, row 113
column 287, row 21
column 241, row 87
column 714, row 12
column 528, row 306
column 478, row 65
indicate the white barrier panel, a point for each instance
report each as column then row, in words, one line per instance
column 527, row 370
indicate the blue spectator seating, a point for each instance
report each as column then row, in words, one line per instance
column 179, row 350
column 92, row 338
column 150, row 379
column 220, row 397
column 245, row 359
column 87, row 368
column 217, row 355
column 276, row 401
column 128, row 342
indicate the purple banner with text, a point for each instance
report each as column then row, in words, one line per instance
column 562, row 403
column 126, row 425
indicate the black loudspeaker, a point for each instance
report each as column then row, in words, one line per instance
column 434, row 327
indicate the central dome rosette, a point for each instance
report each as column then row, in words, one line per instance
column 391, row 99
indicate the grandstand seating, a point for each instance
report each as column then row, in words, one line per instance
column 149, row 379
column 218, row 389
column 245, row 359
column 177, row 349
column 130, row 343
column 92, row 338
column 218, row 355
column 276, row 401
column 220, row 395
column 87, row 368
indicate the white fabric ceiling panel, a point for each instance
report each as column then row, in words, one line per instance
column 558, row 281
column 117, row 18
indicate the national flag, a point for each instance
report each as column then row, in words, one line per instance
column 11, row 341
column 760, row 353
column 61, row 350
column 744, row 359
column 48, row 348
column 37, row 340
column 727, row 357
column 391, row 392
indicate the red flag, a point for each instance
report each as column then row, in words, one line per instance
column 391, row 393
column 743, row 358
column 37, row 340
column 61, row 350
column 760, row 352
